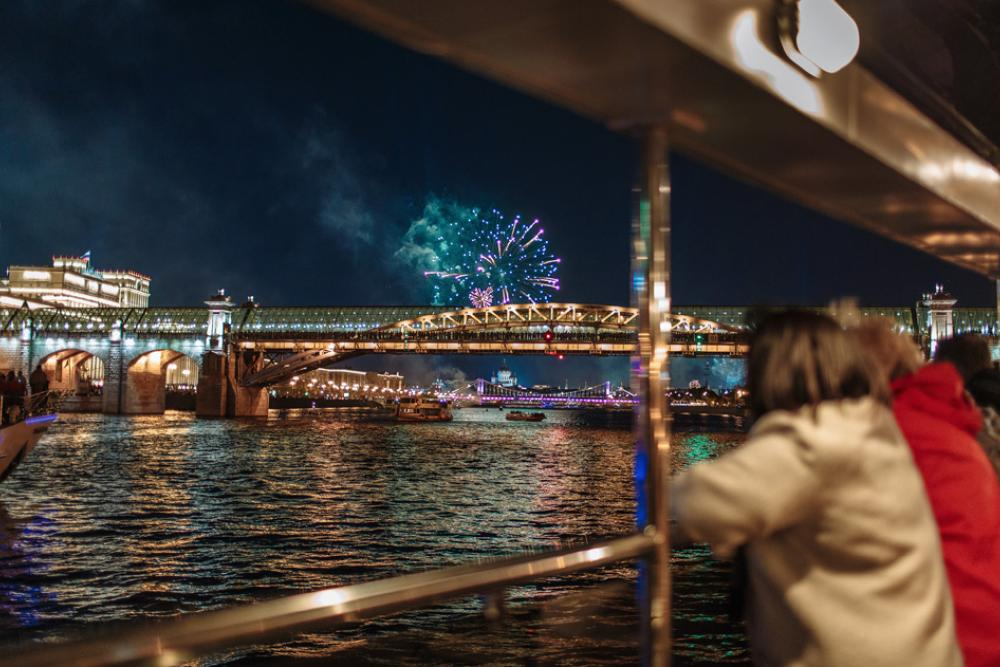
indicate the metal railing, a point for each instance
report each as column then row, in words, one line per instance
column 179, row 640
column 29, row 405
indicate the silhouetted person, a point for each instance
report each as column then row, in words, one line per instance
column 985, row 389
column 9, row 396
column 843, row 555
column 39, row 380
column 968, row 353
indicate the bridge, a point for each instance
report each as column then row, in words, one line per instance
column 239, row 351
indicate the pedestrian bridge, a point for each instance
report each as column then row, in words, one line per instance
column 241, row 350
column 556, row 329
column 250, row 347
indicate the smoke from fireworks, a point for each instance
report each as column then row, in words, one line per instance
column 481, row 257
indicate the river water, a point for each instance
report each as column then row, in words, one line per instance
column 115, row 519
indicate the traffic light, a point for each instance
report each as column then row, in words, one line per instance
column 699, row 339
column 548, row 336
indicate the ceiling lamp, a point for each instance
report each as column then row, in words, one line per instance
column 818, row 35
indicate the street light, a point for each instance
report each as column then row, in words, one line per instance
column 818, row 35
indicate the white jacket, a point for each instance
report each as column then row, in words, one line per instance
column 843, row 553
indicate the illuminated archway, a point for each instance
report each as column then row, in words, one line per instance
column 74, row 372
column 147, row 377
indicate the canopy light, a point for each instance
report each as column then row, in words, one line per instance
column 818, row 35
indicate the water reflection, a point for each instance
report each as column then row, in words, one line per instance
column 150, row 516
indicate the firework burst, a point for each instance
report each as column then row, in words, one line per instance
column 481, row 298
column 482, row 258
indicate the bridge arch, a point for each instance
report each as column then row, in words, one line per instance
column 146, row 376
column 74, row 371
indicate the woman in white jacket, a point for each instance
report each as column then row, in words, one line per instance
column 844, row 563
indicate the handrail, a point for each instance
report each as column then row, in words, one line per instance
column 180, row 639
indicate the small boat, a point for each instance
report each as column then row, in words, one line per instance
column 518, row 416
column 423, row 409
column 19, row 437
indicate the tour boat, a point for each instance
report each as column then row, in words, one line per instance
column 518, row 416
column 18, row 439
column 423, row 409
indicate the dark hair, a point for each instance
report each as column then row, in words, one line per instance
column 800, row 358
column 985, row 388
column 968, row 353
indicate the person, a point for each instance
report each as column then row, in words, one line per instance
column 970, row 355
column 13, row 399
column 22, row 385
column 39, row 388
column 7, row 390
column 984, row 387
column 39, row 380
column 940, row 422
column 843, row 558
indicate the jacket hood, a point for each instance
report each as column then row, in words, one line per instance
column 937, row 390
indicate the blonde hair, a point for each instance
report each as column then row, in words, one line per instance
column 895, row 355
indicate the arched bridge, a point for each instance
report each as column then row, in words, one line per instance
column 236, row 351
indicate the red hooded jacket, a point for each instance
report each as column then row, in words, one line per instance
column 941, row 422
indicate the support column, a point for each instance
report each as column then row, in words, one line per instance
column 219, row 392
column 26, row 348
column 940, row 316
column 245, row 401
column 651, row 379
column 114, row 374
column 210, row 401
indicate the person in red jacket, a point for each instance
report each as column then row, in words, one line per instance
column 940, row 421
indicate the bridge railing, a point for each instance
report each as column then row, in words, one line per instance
column 186, row 637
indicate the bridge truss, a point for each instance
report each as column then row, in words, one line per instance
column 511, row 329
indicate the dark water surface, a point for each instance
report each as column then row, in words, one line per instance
column 122, row 518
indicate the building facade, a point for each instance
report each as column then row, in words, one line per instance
column 73, row 283
column 504, row 377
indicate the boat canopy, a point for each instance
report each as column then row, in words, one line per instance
column 713, row 73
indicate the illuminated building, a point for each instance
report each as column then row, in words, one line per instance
column 73, row 282
column 341, row 383
column 940, row 315
column 504, row 377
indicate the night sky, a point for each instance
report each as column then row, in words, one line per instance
column 268, row 149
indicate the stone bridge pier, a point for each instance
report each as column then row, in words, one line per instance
column 219, row 391
column 136, row 385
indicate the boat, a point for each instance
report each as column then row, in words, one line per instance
column 518, row 416
column 19, row 437
column 423, row 409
